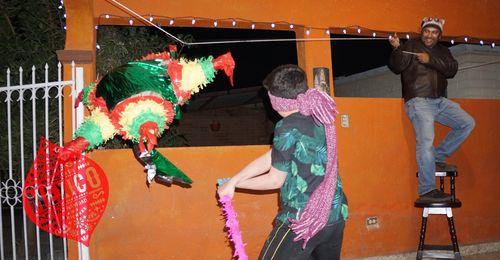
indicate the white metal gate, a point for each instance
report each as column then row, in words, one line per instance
column 28, row 111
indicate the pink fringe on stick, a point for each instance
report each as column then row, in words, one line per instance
column 233, row 226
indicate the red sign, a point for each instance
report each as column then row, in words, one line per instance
column 65, row 200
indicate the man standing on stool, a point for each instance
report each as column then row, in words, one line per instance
column 425, row 65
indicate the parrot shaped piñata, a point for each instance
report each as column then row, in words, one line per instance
column 139, row 100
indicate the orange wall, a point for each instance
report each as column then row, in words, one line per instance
column 463, row 17
column 376, row 153
column 377, row 165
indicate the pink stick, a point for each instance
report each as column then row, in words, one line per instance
column 234, row 233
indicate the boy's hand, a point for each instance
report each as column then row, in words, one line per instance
column 226, row 189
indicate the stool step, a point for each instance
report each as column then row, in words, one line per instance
column 440, row 255
column 446, row 204
column 438, row 247
column 447, row 174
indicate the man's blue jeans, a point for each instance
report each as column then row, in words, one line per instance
column 422, row 113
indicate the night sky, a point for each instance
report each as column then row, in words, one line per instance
column 253, row 60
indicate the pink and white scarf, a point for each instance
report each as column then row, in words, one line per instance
column 321, row 107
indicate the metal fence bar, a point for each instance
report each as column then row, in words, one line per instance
column 33, row 109
column 61, row 140
column 9, row 132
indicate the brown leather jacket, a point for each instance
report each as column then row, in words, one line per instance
column 423, row 80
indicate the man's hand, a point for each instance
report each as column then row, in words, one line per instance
column 394, row 41
column 423, row 57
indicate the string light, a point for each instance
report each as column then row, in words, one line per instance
column 98, row 46
column 291, row 26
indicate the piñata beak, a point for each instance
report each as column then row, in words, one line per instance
column 148, row 132
column 225, row 62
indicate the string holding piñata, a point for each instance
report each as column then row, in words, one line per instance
column 232, row 224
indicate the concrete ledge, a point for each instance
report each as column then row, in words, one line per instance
column 467, row 250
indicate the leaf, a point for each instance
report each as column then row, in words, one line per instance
column 285, row 141
column 283, row 166
column 317, row 169
column 301, row 184
column 295, row 170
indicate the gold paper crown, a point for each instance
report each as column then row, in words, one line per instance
column 434, row 22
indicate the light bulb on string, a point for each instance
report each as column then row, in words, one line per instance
column 273, row 25
column 98, row 46
column 64, row 15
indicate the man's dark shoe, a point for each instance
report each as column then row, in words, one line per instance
column 435, row 196
column 444, row 167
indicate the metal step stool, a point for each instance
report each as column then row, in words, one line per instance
column 440, row 208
